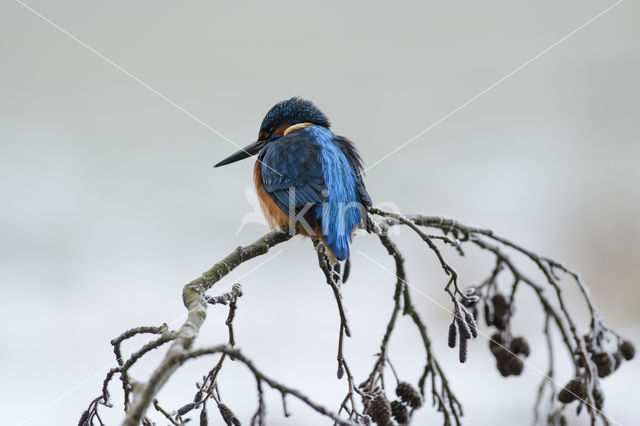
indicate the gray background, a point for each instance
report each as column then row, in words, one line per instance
column 110, row 204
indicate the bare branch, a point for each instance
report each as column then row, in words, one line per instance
column 594, row 355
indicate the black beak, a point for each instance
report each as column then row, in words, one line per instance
column 245, row 152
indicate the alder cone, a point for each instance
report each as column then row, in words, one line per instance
column 409, row 395
column 571, row 391
column 400, row 412
column 380, row 411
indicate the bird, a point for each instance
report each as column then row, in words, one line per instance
column 307, row 176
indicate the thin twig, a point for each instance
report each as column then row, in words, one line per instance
column 194, row 301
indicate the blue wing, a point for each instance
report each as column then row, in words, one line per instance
column 312, row 168
column 292, row 166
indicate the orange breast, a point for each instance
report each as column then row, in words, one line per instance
column 274, row 215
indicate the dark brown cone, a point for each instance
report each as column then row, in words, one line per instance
column 502, row 368
column 400, row 412
column 572, row 390
column 380, row 410
column 604, row 363
column 520, row 346
column 627, row 349
column 409, row 395
column 510, row 366
column 500, row 306
column 515, row 366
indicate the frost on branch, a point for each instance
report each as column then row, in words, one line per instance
column 595, row 351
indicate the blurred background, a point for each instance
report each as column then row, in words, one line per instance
column 110, row 203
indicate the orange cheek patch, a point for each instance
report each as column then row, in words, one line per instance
column 275, row 217
column 281, row 129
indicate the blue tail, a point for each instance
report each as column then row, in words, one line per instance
column 340, row 212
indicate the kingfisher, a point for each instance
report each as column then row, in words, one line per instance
column 307, row 176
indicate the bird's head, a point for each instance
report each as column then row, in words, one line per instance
column 282, row 118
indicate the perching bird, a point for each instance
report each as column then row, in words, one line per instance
column 308, row 176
